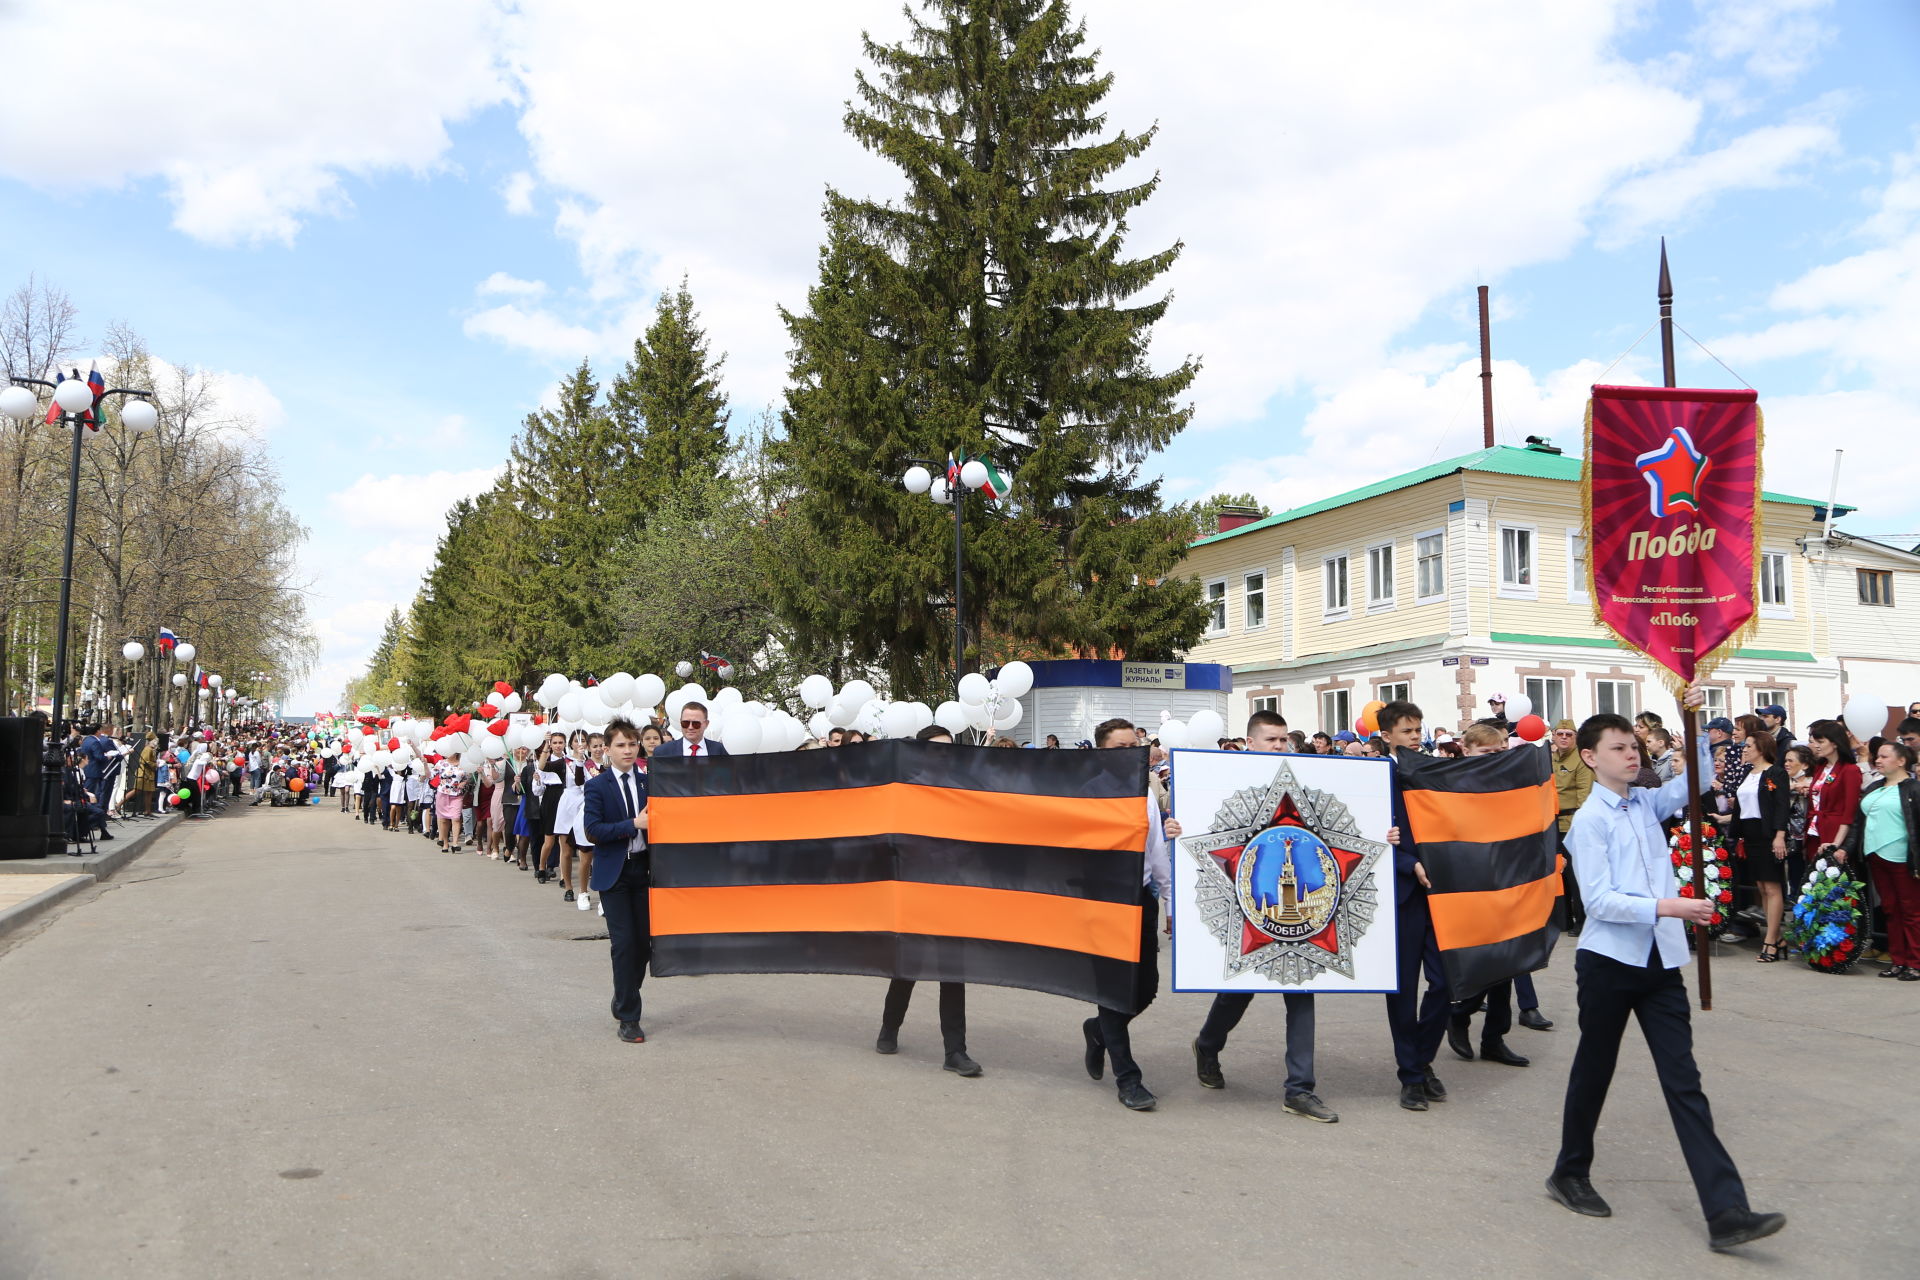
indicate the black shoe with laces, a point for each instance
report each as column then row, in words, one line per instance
column 1413, row 1097
column 1436, row 1092
column 1741, row 1226
column 1578, row 1195
column 1206, row 1065
column 1134, row 1097
column 961, row 1065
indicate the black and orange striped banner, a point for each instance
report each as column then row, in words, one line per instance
column 1484, row 825
column 904, row 859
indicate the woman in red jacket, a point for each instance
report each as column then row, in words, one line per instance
column 1835, row 793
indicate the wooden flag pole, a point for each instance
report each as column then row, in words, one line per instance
column 1703, row 934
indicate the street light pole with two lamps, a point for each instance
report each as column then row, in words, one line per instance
column 952, row 488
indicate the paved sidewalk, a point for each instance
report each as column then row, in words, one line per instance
column 284, row 1044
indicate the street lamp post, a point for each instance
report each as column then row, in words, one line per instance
column 918, row 478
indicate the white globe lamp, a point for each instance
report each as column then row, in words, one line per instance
column 73, row 395
column 138, row 415
column 19, row 404
column 917, row 479
column 133, row 651
column 974, row 474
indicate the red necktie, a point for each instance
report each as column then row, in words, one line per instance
column 693, row 748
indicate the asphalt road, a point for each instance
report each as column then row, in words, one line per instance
column 283, row 1044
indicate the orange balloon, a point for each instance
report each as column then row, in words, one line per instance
column 1366, row 726
column 296, row 784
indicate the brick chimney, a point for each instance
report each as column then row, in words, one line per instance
column 1234, row 517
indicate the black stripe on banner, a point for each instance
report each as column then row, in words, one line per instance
column 1474, row 775
column 1096, row 875
column 916, row 957
column 1093, row 775
column 1471, row 970
column 1459, row 867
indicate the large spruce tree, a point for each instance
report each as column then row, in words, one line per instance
column 992, row 310
column 669, row 397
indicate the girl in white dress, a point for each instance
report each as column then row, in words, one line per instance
column 573, row 803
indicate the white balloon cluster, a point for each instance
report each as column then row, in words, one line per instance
column 982, row 704
column 1204, row 728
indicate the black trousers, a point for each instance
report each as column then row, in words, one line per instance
column 630, row 931
column 1112, row 1024
column 1231, row 1006
column 1418, row 1024
column 1497, row 1000
column 1610, row 992
column 953, row 1011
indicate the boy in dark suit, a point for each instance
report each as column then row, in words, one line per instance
column 616, row 821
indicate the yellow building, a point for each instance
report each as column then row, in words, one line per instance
column 1465, row 578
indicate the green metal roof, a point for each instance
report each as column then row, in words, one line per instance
column 1502, row 460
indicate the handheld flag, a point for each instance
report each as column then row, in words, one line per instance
column 95, row 415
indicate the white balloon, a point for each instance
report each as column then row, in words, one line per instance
column 1518, row 704
column 1173, row 734
column 648, row 690
column 922, row 715
column 840, row 715
column 979, row 716
column 493, row 747
column 743, row 732
column 974, row 688
column 683, row 669
column 951, row 716
column 1865, row 714
column 868, row 723
column 725, row 700
column 818, row 725
column 572, row 706
column 696, row 693
column 759, row 708
column 816, row 692
column 856, row 693
column 1009, row 716
column 1015, row 679
column 508, row 703
column 898, row 721
column 1206, row 728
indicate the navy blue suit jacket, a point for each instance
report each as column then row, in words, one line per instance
column 678, row 747
column 608, row 825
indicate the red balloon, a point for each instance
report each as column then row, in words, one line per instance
column 1531, row 728
column 498, row 728
column 488, row 711
column 502, row 688
column 382, row 722
column 539, row 719
column 393, row 744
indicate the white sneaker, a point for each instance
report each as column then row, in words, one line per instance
column 581, row 901
column 601, row 907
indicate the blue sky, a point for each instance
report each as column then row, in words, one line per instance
column 389, row 249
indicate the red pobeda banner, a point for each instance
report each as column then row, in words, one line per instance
column 1672, row 493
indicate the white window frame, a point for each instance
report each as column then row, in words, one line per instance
column 1264, row 702
column 1247, row 593
column 1716, row 703
column 1535, row 687
column 1576, row 569
column 1511, row 590
column 1394, row 691
column 1342, row 718
column 1212, row 602
column 1386, row 602
column 1330, row 612
column 1440, row 595
column 1632, row 692
column 1784, row 609
column 1775, row 696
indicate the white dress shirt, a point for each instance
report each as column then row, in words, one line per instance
column 1621, row 860
column 631, row 785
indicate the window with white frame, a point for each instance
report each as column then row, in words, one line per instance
column 1776, row 589
column 1774, row 698
column 1217, row 607
column 1255, row 593
column 1269, row 702
column 1716, row 703
column 1430, row 566
column 1549, row 697
column 1517, row 570
column 1336, row 710
column 1614, row 697
column 1334, row 586
column 1394, row 691
column 1576, row 565
column 1380, row 576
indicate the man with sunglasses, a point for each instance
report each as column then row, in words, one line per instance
column 693, row 742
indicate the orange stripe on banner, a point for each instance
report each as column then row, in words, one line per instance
column 1492, row 915
column 1481, row 817
column 902, row 808
column 898, row 906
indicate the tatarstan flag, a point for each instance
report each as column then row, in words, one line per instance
column 1484, row 826
column 904, row 859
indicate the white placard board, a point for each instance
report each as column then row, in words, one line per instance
column 1282, row 878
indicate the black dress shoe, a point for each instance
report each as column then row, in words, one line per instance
column 1134, row 1097
column 1739, row 1226
column 1206, row 1065
column 1413, row 1097
column 632, row 1034
column 961, row 1065
column 1534, row 1020
column 888, row 1041
column 1578, row 1195
column 1495, row 1050
column 1435, row 1091
column 1458, row 1040
column 567, row 896
column 1096, row 1052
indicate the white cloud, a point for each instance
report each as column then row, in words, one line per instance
column 1776, row 40
column 517, row 193
column 535, row 329
column 502, row 283
column 1756, row 161
column 408, row 504
column 251, row 114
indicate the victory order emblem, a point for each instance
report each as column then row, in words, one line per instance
column 1286, row 881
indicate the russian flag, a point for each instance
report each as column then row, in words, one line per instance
column 99, row 385
column 953, row 471
column 203, row 681
column 166, row 641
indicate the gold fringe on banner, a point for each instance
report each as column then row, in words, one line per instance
column 1706, row 664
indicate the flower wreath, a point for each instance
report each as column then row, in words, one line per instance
column 1825, row 923
column 1717, row 872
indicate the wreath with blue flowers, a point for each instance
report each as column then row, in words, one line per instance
column 1825, row 924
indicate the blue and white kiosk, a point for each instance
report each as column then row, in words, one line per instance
column 1072, row 695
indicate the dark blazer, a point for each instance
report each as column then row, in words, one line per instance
column 608, row 825
column 678, row 747
column 1909, row 805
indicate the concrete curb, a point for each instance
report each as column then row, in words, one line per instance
column 129, row 842
column 21, row 914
